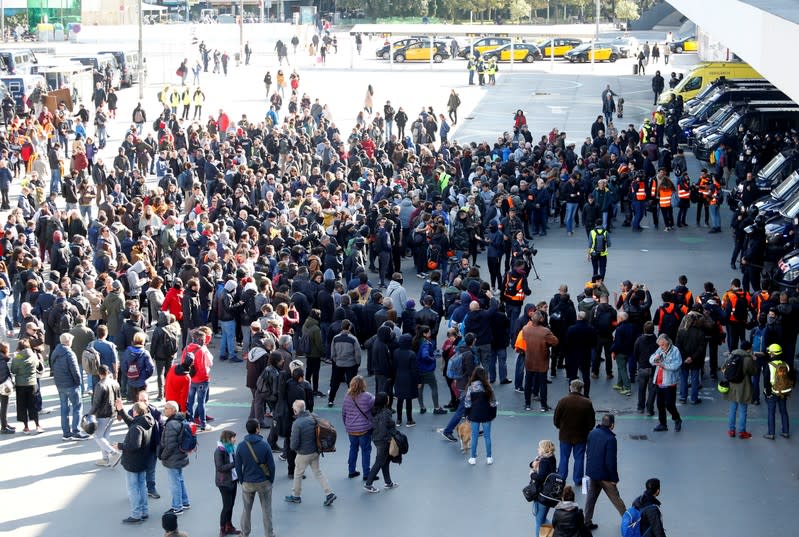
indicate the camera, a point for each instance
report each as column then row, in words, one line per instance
column 530, row 249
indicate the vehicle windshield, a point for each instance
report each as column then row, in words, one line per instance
column 731, row 124
column 785, row 187
column 791, row 207
column 719, row 115
column 772, row 166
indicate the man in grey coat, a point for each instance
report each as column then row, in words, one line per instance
column 173, row 458
column 345, row 351
column 303, row 441
column 67, row 377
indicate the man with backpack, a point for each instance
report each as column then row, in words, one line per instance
column 669, row 315
column 604, row 320
column 598, row 250
column 255, row 468
column 736, row 387
column 177, row 441
column 644, row 517
column 460, row 368
column 735, row 304
column 304, row 442
column 602, row 468
column 777, row 388
column 164, row 346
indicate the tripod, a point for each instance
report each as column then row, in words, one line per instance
column 528, row 258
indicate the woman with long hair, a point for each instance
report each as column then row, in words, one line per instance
column 424, row 344
column 226, row 480
column 480, row 406
column 356, row 413
column 384, row 428
column 543, row 465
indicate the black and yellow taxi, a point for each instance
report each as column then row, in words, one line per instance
column 561, row 46
column 601, row 52
column 522, row 52
column 686, row 44
column 383, row 52
column 481, row 46
column 422, row 51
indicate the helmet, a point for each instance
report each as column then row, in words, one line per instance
column 432, row 264
column 723, row 386
column 774, row 349
column 89, row 424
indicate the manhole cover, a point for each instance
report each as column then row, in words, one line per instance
column 639, row 437
column 541, row 93
column 469, row 117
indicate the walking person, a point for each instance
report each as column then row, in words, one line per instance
column 608, row 108
column 641, row 63
column 345, row 353
column 356, row 413
column 658, row 83
column 226, row 480
column 106, row 392
column 303, row 441
column 255, row 470
column 453, row 103
column 602, row 468
column 135, row 450
column 460, row 376
column 481, row 409
column 667, row 362
column 368, row 98
column 173, row 457
column 598, row 250
column 649, row 506
column 574, row 418
column 645, row 346
column 382, row 432
column 739, row 394
column 540, row 467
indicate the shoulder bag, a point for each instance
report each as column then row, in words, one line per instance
column 263, row 466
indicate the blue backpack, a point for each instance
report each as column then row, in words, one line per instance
column 188, row 438
column 455, row 366
column 631, row 522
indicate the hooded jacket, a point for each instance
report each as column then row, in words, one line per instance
column 399, row 297
column 651, row 517
column 345, row 351
column 382, row 363
column 136, row 445
column 135, row 279
column 144, row 363
column 176, row 386
column 164, row 331
column 568, row 520
column 169, row 448
column 172, row 303
column 406, row 372
column 691, row 338
column 66, row 372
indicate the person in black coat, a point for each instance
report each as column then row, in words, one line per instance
column 543, row 465
column 562, row 315
column 568, row 519
column 406, row 378
column 580, row 342
column 296, row 388
column 649, row 507
column 500, row 332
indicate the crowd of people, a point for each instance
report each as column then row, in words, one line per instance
column 290, row 241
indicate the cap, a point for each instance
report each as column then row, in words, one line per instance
column 117, row 285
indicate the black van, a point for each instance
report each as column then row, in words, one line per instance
column 755, row 120
column 690, row 132
column 731, row 95
column 723, row 84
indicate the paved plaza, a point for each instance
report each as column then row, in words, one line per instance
column 711, row 485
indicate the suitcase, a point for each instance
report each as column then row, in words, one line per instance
column 635, row 69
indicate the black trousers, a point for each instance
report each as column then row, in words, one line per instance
column 314, row 363
column 667, row 400
column 495, row 272
column 382, row 463
column 702, row 203
column 4, row 411
column 535, row 382
column 339, row 375
column 228, row 499
column 584, row 367
column 408, row 409
column 603, row 344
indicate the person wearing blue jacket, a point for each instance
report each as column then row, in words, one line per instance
column 667, row 361
column 255, row 470
column 425, row 346
column 495, row 247
column 602, row 468
column 541, row 208
column 67, row 377
column 622, row 349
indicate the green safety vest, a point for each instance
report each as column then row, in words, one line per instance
column 443, row 181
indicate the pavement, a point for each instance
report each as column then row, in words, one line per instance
column 52, row 488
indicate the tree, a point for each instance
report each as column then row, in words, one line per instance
column 518, row 9
column 627, row 10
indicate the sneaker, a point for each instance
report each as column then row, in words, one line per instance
column 282, row 457
column 80, row 436
column 293, row 499
column 527, row 408
column 399, row 423
column 174, row 511
column 617, row 387
column 489, row 460
column 743, row 435
column 153, row 494
column 235, row 360
column 410, row 424
column 683, row 401
column 660, row 428
column 422, row 411
column 594, row 376
column 678, row 425
column 768, row 436
column 505, row 381
column 544, row 409
column 448, row 436
column 731, row 433
column 207, row 427
column 132, row 520
column 439, row 411
column 626, row 392
column 697, row 402
column 389, row 486
column 785, row 435
column 66, row 438
column 330, row 404
column 370, row 488
column 353, row 474
column 114, row 459
column 472, row 461
column 186, row 506
column 329, row 499
column 518, row 390
column 8, row 430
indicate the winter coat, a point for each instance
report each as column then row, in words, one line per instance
column 691, row 338
column 173, row 303
column 176, row 387
column 136, row 445
column 382, row 360
column 162, row 333
column 23, row 366
column 356, row 413
column 601, row 455
column 406, row 372
column 384, row 426
column 644, row 347
column 479, row 407
column 303, row 434
column 143, row 361
column 110, row 309
column 537, row 340
column 568, row 520
column 224, row 464
column 64, row 365
column 169, row 448
column 574, row 418
column 290, row 391
column 580, row 342
column 399, row 297
column 314, row 332
column 345, row 351
column 105, row 393
column 742, row 392
column 651, row 517
column 246, row 468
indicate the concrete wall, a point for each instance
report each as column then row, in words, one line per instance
column 109, row 12
column 763, row 40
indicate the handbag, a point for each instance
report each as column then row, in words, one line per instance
column 547, row 530
column 7, row 387
column 530, row 492
column 393, row 448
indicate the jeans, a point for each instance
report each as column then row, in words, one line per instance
column 70, row 399
column 646, row 400
column 428, row 379
column 151, row 472
column 389, row 125
column 540, row 512
column 476, row 436
column 774, row 403
column 362, row 442
column 227, row 348
column 621, row 370
column 639, row 208
column 248, row 492
column 55, row 181
column 456, row 417
column 177, row 487
column 734, row 407
column 571, row 209
column 667, row 400
column 715, row 216
column 695, row 383
column 101, row 136
column 103, row 437
column 579, row 461
column 137, row 494
column 498, row 357
column 198, row 391
column 382, row 463
column 518, row 377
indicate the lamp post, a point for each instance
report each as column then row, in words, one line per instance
column 241, row 31
column 141, row 51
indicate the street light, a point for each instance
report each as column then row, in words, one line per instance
column 141, row 51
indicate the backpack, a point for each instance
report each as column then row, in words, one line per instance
column 90, row 359
column 433, row 255
column 133, row 371
column 64, row 322
column 185, row 180
column 783, row 378
column 552, row 490
column 123, row 279
column 169, row 346
column 401, row 440
column 325, row 435
column 600, row 242
column 187, row 440
column 455, row 366
column 631, row 522
column 741, row 309
column 602, row 320
column 267, row 382
column 669, row 321
column 734, row 369
column 364, row 299
column 513, row 284
column 303, row 345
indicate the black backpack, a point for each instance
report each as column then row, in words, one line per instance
column 168, row 343
column 734, row 369
column 741, row 309
column 552, row 490
column 600, row 241
column 669, row 321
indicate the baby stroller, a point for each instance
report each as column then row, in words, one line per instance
column 620, row 108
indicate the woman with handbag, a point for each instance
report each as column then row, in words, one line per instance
column 24, row 367
column 226, row 480
column 356, row 412
column 480, row 406
column 6, row 389
column 543, row 465
column 382, row 433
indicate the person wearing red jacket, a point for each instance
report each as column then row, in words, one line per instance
column 176, row 386
column 201, row 362
column 173, row 300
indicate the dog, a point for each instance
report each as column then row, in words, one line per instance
column 464, row 430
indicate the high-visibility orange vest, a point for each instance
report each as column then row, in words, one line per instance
column 653, row 189
column 665, row 196
column 640, row 193
column 704, row 186
column 683, row 193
